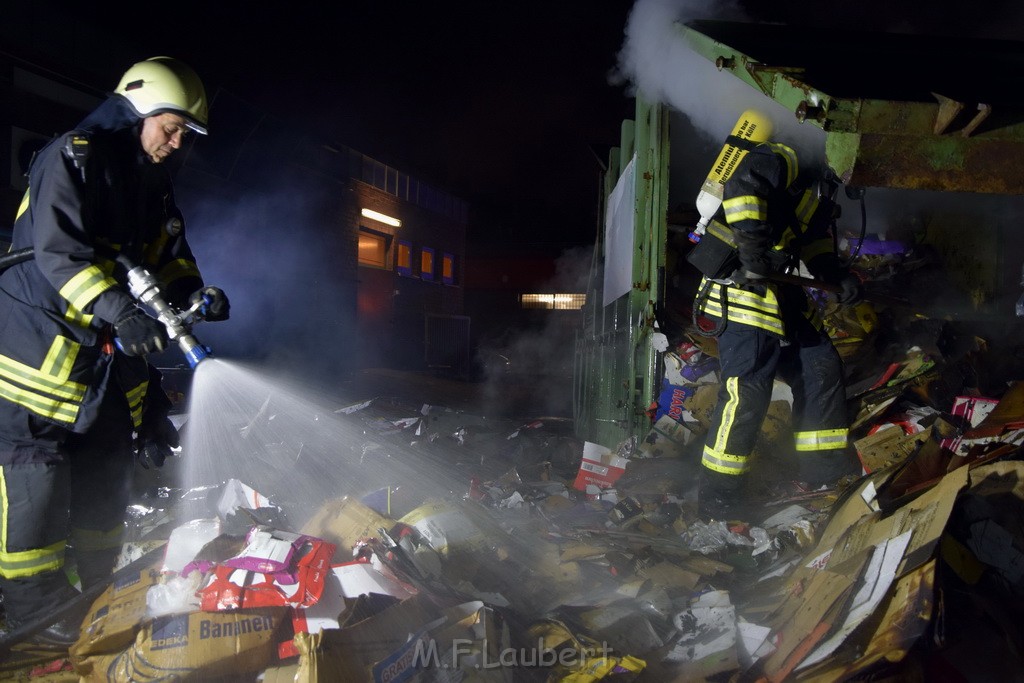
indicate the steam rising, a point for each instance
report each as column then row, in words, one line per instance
column 658, row 64
column 279, row 265
column 541, row 356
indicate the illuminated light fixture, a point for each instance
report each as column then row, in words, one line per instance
column 560, row 302
column 383, row 218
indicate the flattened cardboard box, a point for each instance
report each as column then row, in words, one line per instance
column 889, row 446
column 354, row 652
column 198, row 646
column 344, row 521
column 117, row 614
column 666, row 438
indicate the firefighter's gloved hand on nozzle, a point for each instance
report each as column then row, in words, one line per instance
column 213, row 303
column 156, row 441
column 852, row 292
column 139, row 334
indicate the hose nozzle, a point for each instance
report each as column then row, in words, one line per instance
column 145, row 288
column 193, row 350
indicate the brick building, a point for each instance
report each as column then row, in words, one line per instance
column 333, row 260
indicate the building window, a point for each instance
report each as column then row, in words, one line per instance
column 448, row 269
column 403, row 262
column 557, row 302
column 373, row 249
column 427, row 263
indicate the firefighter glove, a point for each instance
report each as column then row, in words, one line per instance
column 755, row 252
column 213, row 303
column 139, row 334
column 156, row 442
column 742, row 276
column 852, row 292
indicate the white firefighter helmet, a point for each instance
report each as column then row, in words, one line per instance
column 164, row 84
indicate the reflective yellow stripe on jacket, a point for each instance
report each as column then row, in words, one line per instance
column 745, row 208
column 787, row 153
column 83, row 288
column 46, row 391
column 747, row 308
column 135, row 398
column 23, row 207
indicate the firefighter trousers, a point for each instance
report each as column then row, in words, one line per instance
column 34, row 504
column 75, row 495
column 102, row 462
column 750, row 359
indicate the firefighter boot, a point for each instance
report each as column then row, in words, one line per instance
column 31, row 598
column 824, row 468
column 718, row 495
column 95, row 566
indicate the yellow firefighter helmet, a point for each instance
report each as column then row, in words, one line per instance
column 164, row 84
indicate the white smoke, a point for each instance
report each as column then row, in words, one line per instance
column 656, row 62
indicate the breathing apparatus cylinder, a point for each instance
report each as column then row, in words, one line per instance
column 751, row 127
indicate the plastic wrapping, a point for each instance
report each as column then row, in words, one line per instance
column 176, row 595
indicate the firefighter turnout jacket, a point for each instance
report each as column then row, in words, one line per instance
column 771, row 207
column 92, row 195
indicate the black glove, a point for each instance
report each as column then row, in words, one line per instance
column 742, row 276
column 214, row 305
column 755, row 252
column 139, row 334
column 157, row 437
column 852, row 292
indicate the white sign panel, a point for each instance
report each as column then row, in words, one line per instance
column 620, row 216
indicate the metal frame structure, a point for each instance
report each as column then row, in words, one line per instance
column 616, row 363
column 903, row 112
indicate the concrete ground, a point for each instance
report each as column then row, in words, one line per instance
column 506, row 396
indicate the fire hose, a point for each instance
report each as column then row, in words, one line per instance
column 877, row 297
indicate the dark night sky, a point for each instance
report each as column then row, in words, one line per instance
column 498, row 103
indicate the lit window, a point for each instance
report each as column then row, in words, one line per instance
column 557, row 302
column 403, row 261
column 427, row 263
column 448, row 269
column 373, row 249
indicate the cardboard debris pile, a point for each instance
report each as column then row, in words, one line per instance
column 557, row 560
column 561, row 587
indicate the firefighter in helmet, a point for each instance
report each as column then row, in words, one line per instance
column 778, row 218
column 78, row 398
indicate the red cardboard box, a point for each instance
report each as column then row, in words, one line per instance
column 600, row 467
